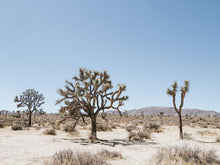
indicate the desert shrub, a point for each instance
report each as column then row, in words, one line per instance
column 69, row 127
column 154, row 127
column 185, row 155
column 110, row 154
column 131, row 128
column 17, row 115
column 144, row 134
column 218, row 139
column 103, row 127
column 139, row 135
column 187, row 136
column 49, row 132
column 17, row 127
column 104, row 115
column 69, row 157
column 206, row 132
column 2, row 125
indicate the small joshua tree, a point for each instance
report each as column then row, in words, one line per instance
column 172, row 92
column 30, row 99
column 88, row 95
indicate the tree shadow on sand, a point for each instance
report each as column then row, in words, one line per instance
column 112, row 143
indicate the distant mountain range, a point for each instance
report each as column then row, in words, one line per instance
column 155, row 110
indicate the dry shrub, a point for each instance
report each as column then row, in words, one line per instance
column 154, row 127
column 139, row 135
column 206, row 133
column 17, row 127
column 110, row 154
column 103, row 127
column 218, row 139
column 2, row 125
column 144, row 134
column 69, row 127
column 187, row 136
column 185, row 155
column 49, row 132
column 69, row 157
column 131, row 128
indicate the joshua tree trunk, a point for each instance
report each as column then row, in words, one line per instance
column 29, row 121
column 180, row 126
column 93, row 135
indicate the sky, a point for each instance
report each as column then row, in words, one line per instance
column 145, row 44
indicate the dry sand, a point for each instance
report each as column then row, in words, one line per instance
column 32, row 147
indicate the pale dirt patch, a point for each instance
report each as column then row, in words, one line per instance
column 28, row 147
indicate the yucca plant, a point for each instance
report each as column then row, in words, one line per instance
column 172, row 92
column 90, row 93
column 32, row 100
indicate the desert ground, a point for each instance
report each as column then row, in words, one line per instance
column 32, row 146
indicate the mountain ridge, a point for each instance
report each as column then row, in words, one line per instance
column 169, row 111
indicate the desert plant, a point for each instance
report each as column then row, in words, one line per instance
column 110, row 154
column 103, row 127
column 139, row 134
column 30, row 99
column 17, row 127
column 172, row 92
column 69, row 127
column 185, row 155
column 131, row 128
column 49, row 132
column 153, row 126
column 70, row 157
column 218, row 139
column 187, row 136
column 90, row 94
column 2, row 124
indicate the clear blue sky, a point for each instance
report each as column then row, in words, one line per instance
column 145, row 44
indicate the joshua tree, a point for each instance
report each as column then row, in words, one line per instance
column 30, row 99
column 172, row 92
column 89, row 94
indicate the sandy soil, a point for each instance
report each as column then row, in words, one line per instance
column 32, row 147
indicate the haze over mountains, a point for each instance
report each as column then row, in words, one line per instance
column 155, row 110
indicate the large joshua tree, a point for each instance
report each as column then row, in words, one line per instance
column 90, row 93
column 172, row 92
column 32, row 100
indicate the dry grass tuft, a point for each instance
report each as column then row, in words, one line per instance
column 186, row 155
column 49, row 132
column 110, row 154
column 2, row 125
column 131, row 128
column 207, row 133
column 103, row 127
column 187, row 136
column 69, row 157
column 17, row 127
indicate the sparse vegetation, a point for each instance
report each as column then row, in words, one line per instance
column 110, row 154
column 17, row 127
column 49, row 132
column 2, row 125
column 187, row 136
column 103, row 127
column 186, row 155
column 138, row 134
column 70, row 157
